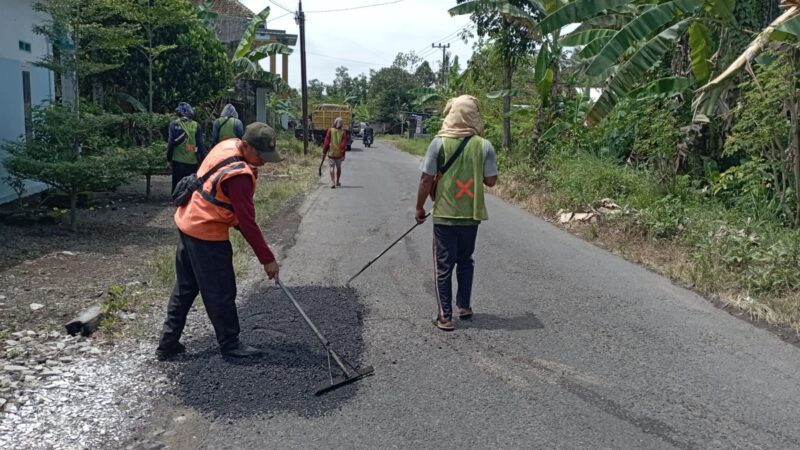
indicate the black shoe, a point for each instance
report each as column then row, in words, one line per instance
column 240, row 350
column 163, row 354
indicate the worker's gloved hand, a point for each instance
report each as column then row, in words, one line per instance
column 420, row 216
column 272, row 270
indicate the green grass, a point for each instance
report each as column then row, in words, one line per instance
column 413, row 146
column 298, row 177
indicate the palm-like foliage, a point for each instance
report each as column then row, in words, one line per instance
column 246, row 59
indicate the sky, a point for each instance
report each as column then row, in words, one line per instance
column 368, row 38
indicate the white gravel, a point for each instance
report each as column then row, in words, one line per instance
column 61, row 392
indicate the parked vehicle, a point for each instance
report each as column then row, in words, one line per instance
column 323, row 115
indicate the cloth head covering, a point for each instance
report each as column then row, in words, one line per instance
column 338, row 122
column 229, row 111
column 462, row 118
column 184, row 110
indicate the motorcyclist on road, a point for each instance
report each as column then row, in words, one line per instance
column 368, row 133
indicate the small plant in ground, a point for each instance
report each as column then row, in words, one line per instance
column 116, row 300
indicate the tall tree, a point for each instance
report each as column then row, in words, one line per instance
column 513, row 42
column 407, row 61
column 151, row 16
column 391, row 94
column 85, row 38
column 424, row 75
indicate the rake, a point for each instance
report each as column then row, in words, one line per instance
column 349, row 374
column 384, row 252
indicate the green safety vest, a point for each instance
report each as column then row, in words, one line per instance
column 226, row 128
column 336, row 143
column 459, row 193
column 186, row 152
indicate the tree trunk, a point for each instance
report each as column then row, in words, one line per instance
column 508, row 71
column 150, row 71
column 147, row 189
column 73, row 211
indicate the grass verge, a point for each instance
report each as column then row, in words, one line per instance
column 413, row 146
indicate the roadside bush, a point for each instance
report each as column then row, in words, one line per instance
column 759, row 257
column 69, row 152
column 581, row 179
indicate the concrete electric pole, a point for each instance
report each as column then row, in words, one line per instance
column 444, row 60
column 300, row 18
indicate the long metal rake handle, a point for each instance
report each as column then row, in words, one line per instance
column 384, row 252
column 345, row 367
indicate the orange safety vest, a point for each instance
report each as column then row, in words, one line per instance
column 209, row 214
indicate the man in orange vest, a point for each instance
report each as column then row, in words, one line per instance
column 335, row 147
column 204, row 259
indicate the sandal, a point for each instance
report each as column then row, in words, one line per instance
column 464, row 313
column 444, row 326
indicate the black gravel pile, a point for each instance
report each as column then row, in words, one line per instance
column 295, row 361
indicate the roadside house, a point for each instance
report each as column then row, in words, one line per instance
column 24, row 85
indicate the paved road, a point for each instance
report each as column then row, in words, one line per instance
column 571, row 347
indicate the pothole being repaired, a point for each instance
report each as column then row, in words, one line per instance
column 295, row 361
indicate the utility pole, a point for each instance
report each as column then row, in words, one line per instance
column 444, row 60
column 300, row 19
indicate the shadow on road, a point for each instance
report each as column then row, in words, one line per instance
column 283, row 380
column 484, row 321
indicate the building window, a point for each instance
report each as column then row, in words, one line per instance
column 26, row 99
column 25, row 46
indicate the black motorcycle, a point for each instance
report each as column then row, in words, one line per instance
column 367, row 139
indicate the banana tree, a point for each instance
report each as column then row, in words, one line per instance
column 246, row 58
column 512, row 25
column 623, row 40
column 785, row 27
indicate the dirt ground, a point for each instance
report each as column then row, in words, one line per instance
column 48, row 273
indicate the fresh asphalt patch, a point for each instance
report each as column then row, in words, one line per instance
column 295, row 362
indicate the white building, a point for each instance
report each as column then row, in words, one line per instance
column 22, row 85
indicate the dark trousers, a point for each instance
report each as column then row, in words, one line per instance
column 452, row 250
column 180, row 170
column 205, row 267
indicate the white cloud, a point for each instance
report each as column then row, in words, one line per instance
column 368, row 38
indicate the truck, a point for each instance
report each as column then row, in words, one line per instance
column 322, row 117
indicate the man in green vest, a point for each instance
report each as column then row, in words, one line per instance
column 227, row 126
column 459, row 162
column 185, row 149
column 335, row 147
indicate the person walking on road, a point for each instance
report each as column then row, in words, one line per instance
column 227, row 126
column 335, row 147
column 185, row 149
column 204, row 258
column 458, row 163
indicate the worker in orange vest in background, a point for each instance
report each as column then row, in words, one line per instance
column 204, row 259
column 335, row 147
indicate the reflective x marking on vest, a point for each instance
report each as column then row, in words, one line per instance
column 465, row 188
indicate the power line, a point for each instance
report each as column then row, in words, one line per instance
column 271, row 19
column 432, row 51
column 355, row 7
column 462, row 27
column 281, row 6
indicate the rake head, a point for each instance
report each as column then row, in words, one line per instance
column 343, row 379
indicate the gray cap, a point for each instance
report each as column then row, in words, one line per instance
column 262, row 137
